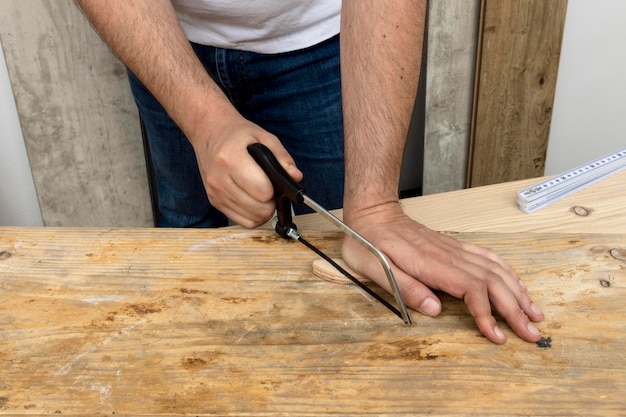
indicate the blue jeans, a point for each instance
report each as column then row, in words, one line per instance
column 295, row 96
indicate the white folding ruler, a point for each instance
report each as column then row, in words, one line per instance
column 546, row 192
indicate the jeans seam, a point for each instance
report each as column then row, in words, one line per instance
column 219, row 66
column 244, row 77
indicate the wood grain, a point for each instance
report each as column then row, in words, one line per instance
column 223, row 322
column 493, row 208
column 516, row 80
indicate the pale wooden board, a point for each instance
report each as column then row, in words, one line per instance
column 493, row 208
column 169, row 322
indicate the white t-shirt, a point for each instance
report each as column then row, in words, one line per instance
column 263, row 26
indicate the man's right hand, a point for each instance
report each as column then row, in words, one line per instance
column 234, row 182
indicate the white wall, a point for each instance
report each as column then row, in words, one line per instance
column 18, row 200
column 589, row 118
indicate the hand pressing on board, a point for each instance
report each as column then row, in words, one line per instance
column 424, row 260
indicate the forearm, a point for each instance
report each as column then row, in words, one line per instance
column 381, row 44
column 146, row 36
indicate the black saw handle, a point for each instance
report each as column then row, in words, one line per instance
column 286, row 189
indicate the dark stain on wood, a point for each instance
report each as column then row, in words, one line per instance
column 236, row 300
column 191, row 291
column 267, row 238
column 404, row 349
column 142, row 309
column 193, row 363
column 545, row 342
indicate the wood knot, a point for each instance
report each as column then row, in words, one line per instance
column 619, row 254
column 607, row 282
column 4, row 255
column 581, row 211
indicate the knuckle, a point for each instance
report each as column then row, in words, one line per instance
column 481, row 285
column 222, row 158
column 266, row 213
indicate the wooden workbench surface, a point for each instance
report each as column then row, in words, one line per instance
column 600, row 208
column 157, row 322
column 233, row 322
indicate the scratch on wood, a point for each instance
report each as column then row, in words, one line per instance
column 102, row 299
column 68, row 366
column 209, row 243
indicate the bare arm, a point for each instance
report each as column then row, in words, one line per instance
column 381, row 50
column 146, row 36
column 381, row 57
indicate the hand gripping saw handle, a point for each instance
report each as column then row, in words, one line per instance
column 286, row 191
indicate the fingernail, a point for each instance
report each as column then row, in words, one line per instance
column 535, row 309
column 430, row 307
column 498, row 333
column 533, row 330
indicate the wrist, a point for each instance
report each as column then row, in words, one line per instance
column 212, row 116
column 357, row 212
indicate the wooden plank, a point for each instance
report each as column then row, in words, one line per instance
column 451, row 57
column 78, row 117
column 516, row 81
column 173, row 322
column 493, row 208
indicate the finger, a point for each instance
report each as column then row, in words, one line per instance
column 460, row 280
column 253, row 181
column 493, row 292
column 251, row 217
column 488, row 259
column 481, row 282
column 283, row 157
column 238, row 204
column 479, row 307
column 504, row 302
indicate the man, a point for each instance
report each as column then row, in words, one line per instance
column 380, row 52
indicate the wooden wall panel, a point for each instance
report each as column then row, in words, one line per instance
column 451, row 60
column 516, row 79
column 78, row 118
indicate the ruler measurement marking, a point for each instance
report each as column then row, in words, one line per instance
column 539, row 195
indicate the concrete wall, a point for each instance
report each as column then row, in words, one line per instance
column 451, row 61
column 78, row 120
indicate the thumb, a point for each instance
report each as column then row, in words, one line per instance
column 284, row 158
